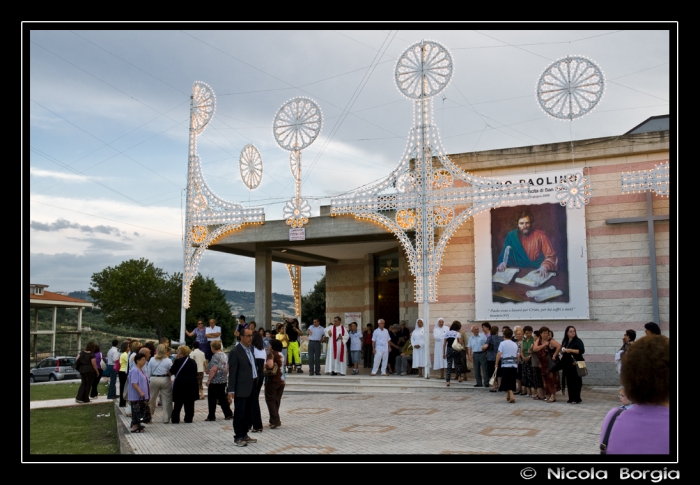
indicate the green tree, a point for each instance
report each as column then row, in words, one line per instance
column 207, row 301
column 313, row 304
column 137, row 294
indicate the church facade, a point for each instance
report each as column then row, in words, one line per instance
column 602, row 282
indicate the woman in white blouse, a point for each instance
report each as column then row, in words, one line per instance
column 418, row 342
column 439, row 359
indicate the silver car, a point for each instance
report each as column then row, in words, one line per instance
column 54, row 369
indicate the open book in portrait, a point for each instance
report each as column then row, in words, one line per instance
column 504, row 277
column 534, row 279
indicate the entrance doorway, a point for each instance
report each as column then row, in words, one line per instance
column 386, row 286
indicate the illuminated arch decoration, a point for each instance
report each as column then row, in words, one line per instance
column 426, row 190
column 208, row 216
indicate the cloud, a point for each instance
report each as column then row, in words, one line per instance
column 62, row 176
column 101, row 245
column 61, row 224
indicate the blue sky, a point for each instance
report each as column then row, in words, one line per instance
column 108, row 113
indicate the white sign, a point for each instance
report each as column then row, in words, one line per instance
column 297, row 234
column 354, row 317
column 530, row 256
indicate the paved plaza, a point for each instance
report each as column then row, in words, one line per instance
column 399, row 415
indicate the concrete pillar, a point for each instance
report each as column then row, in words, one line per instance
column 53, row 332
column 80, row 327
column 263, row 287
column 36, row 328
column 368, row 315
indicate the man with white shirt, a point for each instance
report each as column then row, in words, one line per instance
column 213, row 332
column 113, row 358
column 380, row 347
column 316, row 333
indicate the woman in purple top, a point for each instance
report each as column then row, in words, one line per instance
column 199, row 334
column 98, row 360
column 645, row 428
column 139, row 393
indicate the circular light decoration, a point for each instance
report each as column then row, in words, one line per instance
column 199, row 233
column 443, row 215
column 297, row 124
column 203, row 104
column 406, row 182
column 570, row 87
column 297, row 212
column 423, row 70
column 199, row 203
column 406, row 218
column 295, row 164
column 573, row 191
column 251, row 167
column 442, row 179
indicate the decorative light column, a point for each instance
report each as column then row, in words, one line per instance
column 567, row 89
column 295, row 276
column 296, row 125
column 209, row 217
column 426, row 197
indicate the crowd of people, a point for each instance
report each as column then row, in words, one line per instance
column 519, row 361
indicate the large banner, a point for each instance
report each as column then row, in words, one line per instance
column 530, row 258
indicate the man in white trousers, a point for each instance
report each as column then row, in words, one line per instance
column 380, row 347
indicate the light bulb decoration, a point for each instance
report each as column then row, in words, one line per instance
column 208, row 217
column 657, row 180
column 420, row 195
column 567, row 89
column 295, row 276
column 251, row 166
column 296, row 125
column 573, row 191
column 570, row 87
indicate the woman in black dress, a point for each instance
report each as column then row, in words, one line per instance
column 185, row 386
column 88, row 372
column 572, row 350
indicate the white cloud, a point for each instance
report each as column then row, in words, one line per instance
column 62, row 176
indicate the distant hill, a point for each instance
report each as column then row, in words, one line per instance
column 241, row 303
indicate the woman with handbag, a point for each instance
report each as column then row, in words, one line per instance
column 139, row 393
column 491, row 351
column 274, row 385
column 572, row 350
column 507, row 357
column 216, row 384
column 547, row 350
column 451, row 353
column 88, row 372
column 185, row 386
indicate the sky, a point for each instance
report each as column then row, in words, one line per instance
column 105, row 122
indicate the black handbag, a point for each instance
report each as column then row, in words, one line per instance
column 554, row 365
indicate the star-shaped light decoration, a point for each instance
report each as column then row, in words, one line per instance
column 574, row 191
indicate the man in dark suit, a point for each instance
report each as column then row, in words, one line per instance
column 241, row 374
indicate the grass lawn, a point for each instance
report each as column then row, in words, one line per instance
column 60, row 391
column 74, row 430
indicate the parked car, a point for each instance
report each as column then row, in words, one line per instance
column 54, row 369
